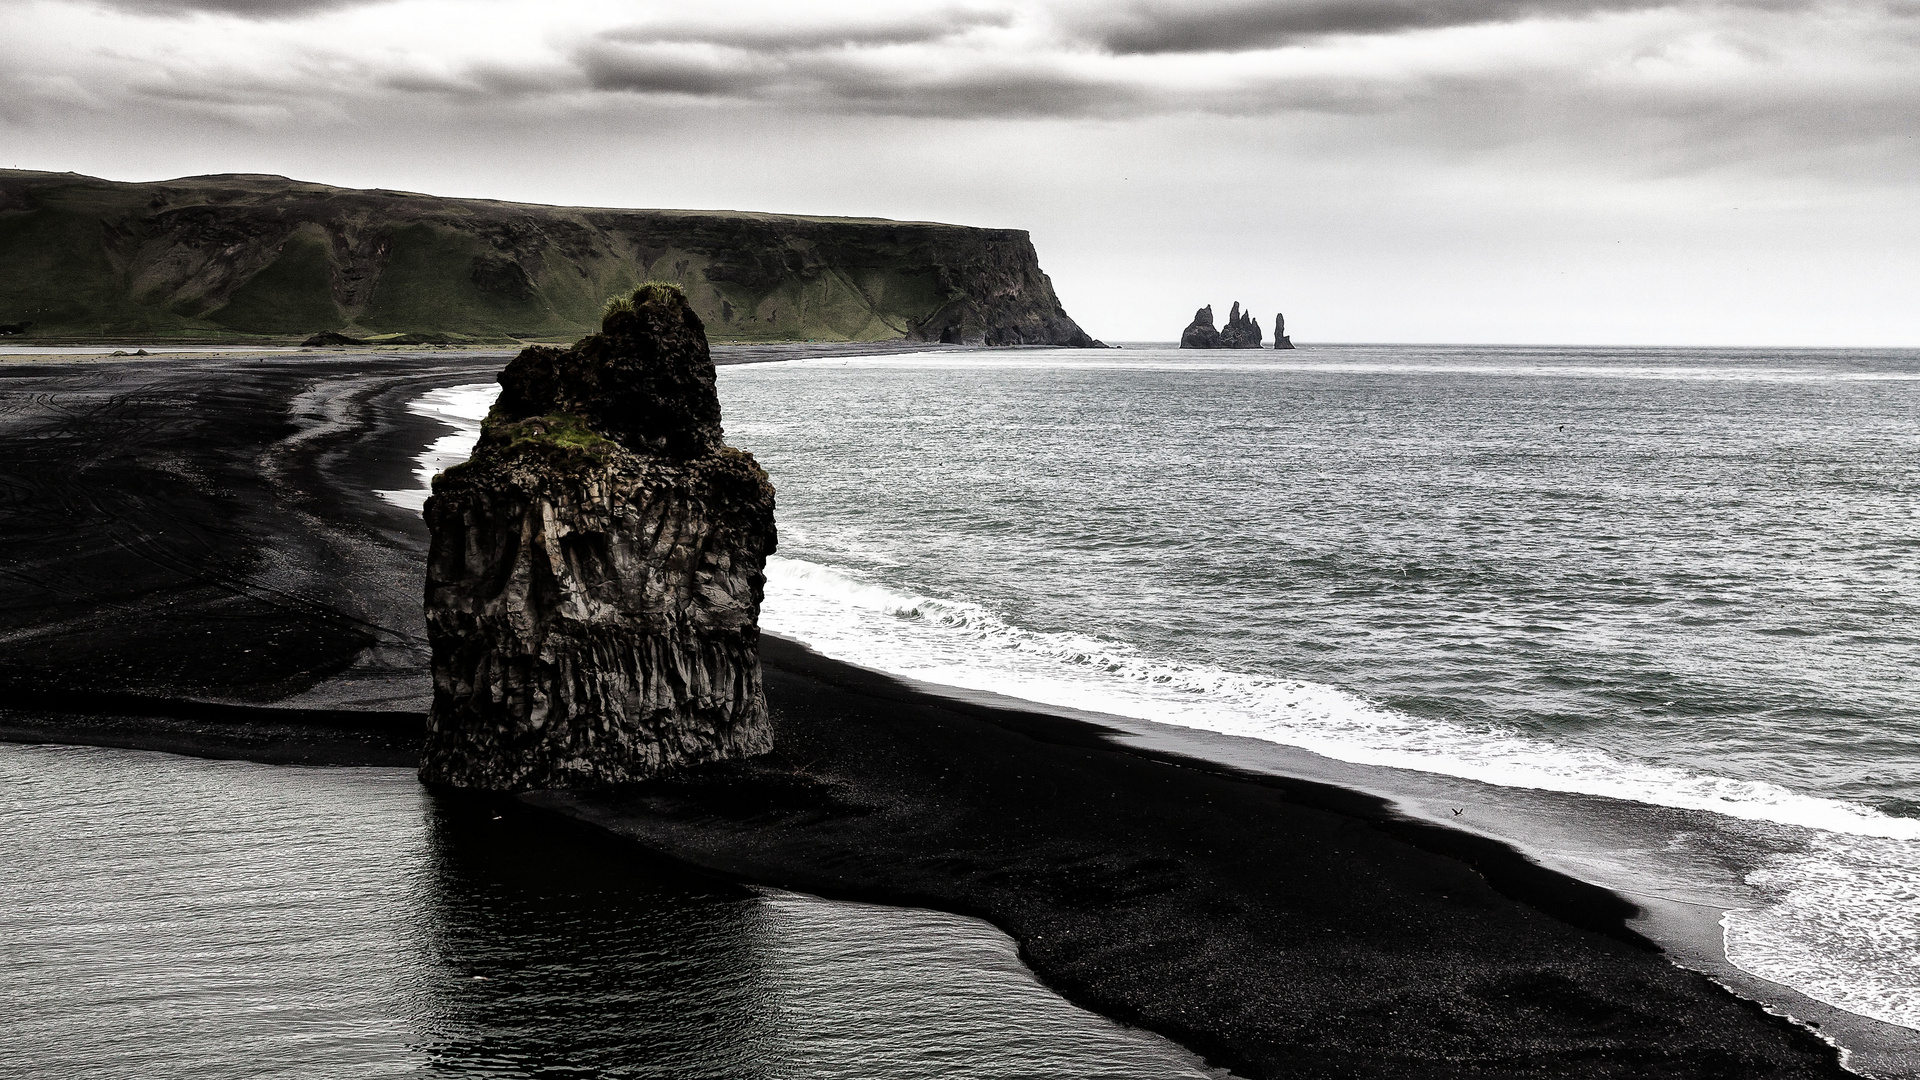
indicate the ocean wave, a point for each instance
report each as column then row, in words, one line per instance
column 1840, row 924
column 1838, row 920
column 964, row 644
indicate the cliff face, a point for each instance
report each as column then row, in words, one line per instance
column 243, row 255
column 595, row 574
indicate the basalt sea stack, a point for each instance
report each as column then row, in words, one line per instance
column 1242, row 330
column 1200, row 333
column 595, row 575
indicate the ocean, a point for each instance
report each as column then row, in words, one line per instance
column 1681, row 578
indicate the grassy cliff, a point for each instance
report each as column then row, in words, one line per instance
column 256, row 257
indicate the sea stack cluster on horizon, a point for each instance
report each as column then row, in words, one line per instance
column 1241, row 332
column 596, row 568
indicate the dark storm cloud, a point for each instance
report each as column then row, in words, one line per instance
column 246, row 9
column 1150, row 28
column 1004, row 94
column 832, row 82
column 839, row 64
column 1760, row 68
column 648, row 70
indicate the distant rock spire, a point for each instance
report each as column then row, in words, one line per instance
column 1280, row 338
column 1241, row 331
column 1200, row 333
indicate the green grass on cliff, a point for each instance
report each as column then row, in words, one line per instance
column 437, row 280
column 556, row 431
column 55, row 273
column 292, row 295
column 253, row 258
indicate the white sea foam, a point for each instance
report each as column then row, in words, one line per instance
column 1841, row 921
column 1841, row 925
column 964, row 644
column 463, row 407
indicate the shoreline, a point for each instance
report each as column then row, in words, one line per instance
column 310, row 493
column 1134, row 863
column 817, row 817
column 1686, row 932
column 724, row 353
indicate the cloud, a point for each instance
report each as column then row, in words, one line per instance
column 947, row 62
column 246, row 9
column 1465, row 77
column 898, row 81
column 789, row 35
column 657, row 69
column 1149, row 28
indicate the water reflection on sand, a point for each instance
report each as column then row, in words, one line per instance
column 165, row 916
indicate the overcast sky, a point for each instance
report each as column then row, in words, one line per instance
column 1599, row 171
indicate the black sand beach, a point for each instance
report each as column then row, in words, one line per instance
column 196, row 562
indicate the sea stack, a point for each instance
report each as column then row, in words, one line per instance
column 1280, row 338
column 1241, row 332
column 595, row 573
column 1200, row 333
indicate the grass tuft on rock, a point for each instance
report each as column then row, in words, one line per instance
column 556, row 435
column 648, row 294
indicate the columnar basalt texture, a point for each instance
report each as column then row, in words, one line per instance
column 595, row 574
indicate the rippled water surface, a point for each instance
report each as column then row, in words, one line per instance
column 1682, row 577
column 1685, row 578
column 1691, row 559
column 168, row 917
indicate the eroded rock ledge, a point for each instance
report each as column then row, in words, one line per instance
column 595, row 574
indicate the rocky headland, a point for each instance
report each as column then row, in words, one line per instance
column 1241, row 332
column 250, row 257
column 595, row 571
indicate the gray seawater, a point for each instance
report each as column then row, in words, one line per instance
column 1683, row 578
column 171, row 917
column 1686, row 578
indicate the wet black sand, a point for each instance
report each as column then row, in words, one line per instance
column 193, row 561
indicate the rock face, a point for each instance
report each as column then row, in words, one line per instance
column 595, row 575
column 1200, row 333
column 1280, row 338
column 1241, row 332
